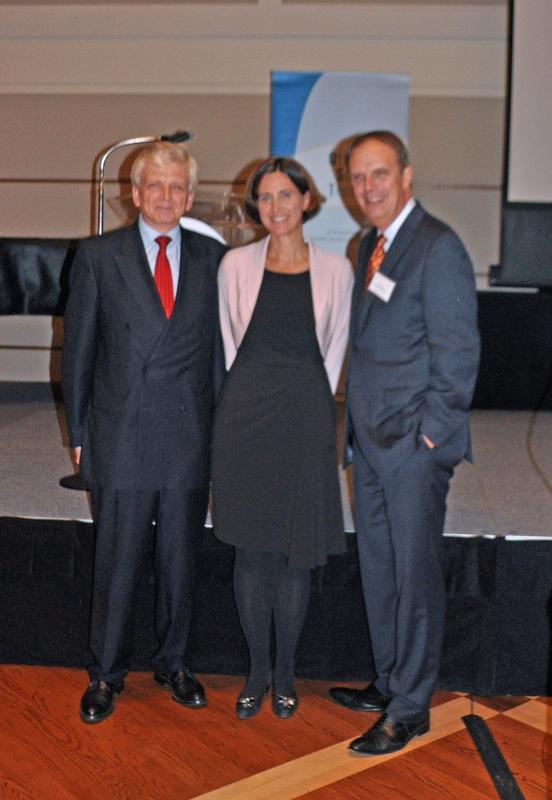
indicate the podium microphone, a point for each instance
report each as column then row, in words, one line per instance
column 177, row 136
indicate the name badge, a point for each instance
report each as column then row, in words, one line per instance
column 382, row 286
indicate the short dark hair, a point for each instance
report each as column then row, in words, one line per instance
column 385, row 137
column 297, row 174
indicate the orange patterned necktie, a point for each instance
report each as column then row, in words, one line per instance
column 162, row 276
column 375, row 261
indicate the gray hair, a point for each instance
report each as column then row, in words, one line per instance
column 160, row 154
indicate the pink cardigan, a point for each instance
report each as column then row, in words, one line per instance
column 239, row 280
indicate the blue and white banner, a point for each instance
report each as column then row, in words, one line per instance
column 312, row 116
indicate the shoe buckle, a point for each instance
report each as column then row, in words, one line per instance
column 286, row 702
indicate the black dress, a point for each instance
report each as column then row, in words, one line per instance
column 274, row 462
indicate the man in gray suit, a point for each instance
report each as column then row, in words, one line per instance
column 412, row 371
column 139, row 361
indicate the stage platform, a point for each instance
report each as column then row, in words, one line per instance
column 498, row 561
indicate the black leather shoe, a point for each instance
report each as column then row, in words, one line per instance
column 367, row 699
column 97, row 702
column 283, row 706
column 387, row 736
column 186, row 689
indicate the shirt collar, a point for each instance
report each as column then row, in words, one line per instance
column 391, row 231
column 149, row 234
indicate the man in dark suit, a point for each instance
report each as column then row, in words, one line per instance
column 139, row 361
column 412, row 370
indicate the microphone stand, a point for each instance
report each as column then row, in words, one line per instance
column 74, row 481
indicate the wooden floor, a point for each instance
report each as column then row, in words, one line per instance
column 151, row 748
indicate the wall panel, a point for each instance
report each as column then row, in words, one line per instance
column 456, row 146
column 77, row 77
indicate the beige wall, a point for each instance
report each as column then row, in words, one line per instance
column 51, row 141
column 75, row 78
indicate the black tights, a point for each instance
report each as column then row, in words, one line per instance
column 267, row 588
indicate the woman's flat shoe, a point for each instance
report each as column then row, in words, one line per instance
column 284, row 707
column 247, row 707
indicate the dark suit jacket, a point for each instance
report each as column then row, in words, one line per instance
column 414, row 359
column 138, row 388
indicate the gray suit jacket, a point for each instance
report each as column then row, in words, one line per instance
column 414, row 359
column 138, row 388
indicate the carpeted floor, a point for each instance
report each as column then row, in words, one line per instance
column 506, row 492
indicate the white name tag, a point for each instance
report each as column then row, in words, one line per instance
column 382, row 286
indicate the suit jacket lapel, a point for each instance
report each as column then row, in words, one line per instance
column 402, row 241
column 362, row 300
column 194, row 269
column 134, row 269
column 183, row 270
column 191, row 278
column 399, row 246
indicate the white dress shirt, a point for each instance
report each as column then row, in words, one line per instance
column 392, row 230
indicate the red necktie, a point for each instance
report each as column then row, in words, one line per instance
column 162, row 276
column 375, row 261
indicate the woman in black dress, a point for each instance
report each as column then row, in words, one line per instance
column 284, row 308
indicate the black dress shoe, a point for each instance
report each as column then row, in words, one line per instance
column 97, row 702
column 186, row 689
column 388, row 735
column 284, row 706
column 367, row 699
